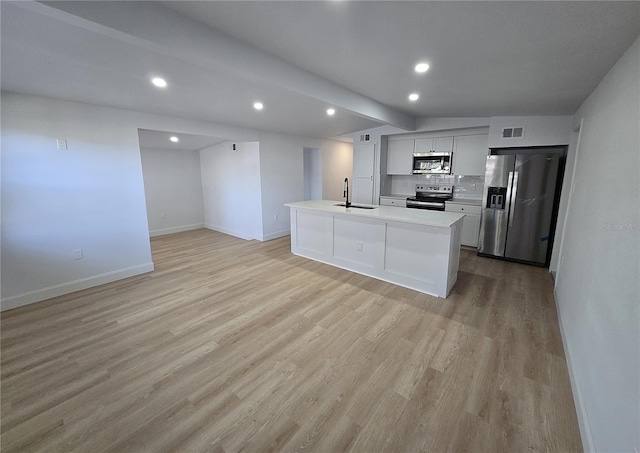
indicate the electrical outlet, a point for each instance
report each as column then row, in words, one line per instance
column 359, row 246
column 61, row 143
column 77, row 254
column 275, row 217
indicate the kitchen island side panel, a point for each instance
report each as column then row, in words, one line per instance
column 454, row 254
column 418, row 255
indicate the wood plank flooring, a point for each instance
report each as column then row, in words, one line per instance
column 233, row 345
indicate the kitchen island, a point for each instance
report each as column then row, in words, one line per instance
column 414, row 248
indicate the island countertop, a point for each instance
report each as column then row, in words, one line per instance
column 417, row 216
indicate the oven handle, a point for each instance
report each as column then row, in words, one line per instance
column 433, row 204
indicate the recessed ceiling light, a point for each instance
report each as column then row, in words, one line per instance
column 422, row 67
column 331, row 111
column 159, row 82
column 414, row 96
column 258, row 105
column 174, row 139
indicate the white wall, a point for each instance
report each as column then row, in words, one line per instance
column 282, row 171
column 92, row 195
column 337, row 164
column 88, row 197
column 564, row 199
column 597, row 290
column 231, row 189
column 539, row 130
column 173, row 190
column 276, row 164
column 436, row 124
column 312, row 162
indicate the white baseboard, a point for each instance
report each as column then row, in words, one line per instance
column 178, row 229
column 235, row 233
column 583, row 419
column 71, row 287
column 276, row 234
column 249, row 237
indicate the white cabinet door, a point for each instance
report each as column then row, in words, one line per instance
column 400, row 157
column 437, row 144
column 443, row 144
column 470, row 155
column 424, row 145
column 363, row 168
column 470, row 223
column 470, row 230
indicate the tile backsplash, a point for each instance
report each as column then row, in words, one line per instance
column 463, row 186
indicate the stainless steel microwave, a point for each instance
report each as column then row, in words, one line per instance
column 439, row 163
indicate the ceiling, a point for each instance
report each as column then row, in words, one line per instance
column 299, row 58
column 152, row 139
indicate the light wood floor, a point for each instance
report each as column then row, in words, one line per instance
column 233, row 345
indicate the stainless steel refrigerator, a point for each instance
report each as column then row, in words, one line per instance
column 519, row 206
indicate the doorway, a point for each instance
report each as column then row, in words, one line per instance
column 312, row 162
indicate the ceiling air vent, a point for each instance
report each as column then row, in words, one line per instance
column 365, row 138
column 513, row 132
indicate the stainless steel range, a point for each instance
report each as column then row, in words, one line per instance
column 430, row 196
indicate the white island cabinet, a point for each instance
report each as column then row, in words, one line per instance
column 414, row 248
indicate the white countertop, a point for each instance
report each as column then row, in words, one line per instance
column 467, row 201
column 417, row 216
column 398, row 196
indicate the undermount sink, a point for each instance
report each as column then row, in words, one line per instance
column 355, row 206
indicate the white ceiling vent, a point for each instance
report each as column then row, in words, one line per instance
column 365, row 138
column 513, row 132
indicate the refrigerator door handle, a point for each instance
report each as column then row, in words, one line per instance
column 507, row 204
column 514, row 195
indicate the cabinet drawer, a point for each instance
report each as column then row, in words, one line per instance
column 400, row 202
column 463, row 208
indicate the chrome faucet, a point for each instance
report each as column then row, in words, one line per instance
column 346, row 192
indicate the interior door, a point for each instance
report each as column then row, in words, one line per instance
column 364, row 165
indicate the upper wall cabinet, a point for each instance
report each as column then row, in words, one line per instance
column 434, row 145
column 399, row 157
column 470, row 155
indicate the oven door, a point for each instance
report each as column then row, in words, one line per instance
column 425, row 163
